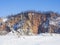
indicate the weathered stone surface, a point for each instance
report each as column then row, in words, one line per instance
column 31, row 19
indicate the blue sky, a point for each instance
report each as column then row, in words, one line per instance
column 8, row 7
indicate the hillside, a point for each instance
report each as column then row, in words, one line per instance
column 31, row 23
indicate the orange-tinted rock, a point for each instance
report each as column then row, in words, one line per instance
column 35, row 19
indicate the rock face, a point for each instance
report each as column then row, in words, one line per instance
column 35, row 19
column 30, row 22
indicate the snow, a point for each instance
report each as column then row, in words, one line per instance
column 55, row 21
column 5, row 19
column 41, row 39
column 58, row 18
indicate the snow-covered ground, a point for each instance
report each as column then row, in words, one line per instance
column 42, row 39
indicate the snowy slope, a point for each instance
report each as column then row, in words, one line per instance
column 42, row 39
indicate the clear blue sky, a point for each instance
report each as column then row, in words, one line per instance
column 8, row 7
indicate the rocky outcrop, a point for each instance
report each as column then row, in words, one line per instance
column 31, row 21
